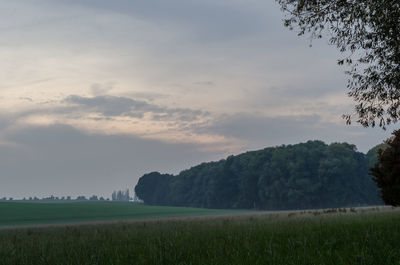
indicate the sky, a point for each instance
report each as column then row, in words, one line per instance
column 96, row 93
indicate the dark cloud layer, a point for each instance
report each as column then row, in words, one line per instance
column 122, row 106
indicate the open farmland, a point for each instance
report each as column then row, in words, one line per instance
column 328, row 237
column 42, row 213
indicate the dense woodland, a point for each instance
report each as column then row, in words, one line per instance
column 301, row 176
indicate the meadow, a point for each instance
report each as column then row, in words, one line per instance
column 41, row 213
column 330, row 237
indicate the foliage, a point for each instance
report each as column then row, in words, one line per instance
column 387, row 171
column 120, row 195
column 367, row 239
column 153, row 187
column 307, row 175
column 368, row 31
column 372, row 155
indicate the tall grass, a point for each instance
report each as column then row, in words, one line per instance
column 345, row 239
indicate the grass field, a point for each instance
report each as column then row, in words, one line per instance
column 296, row 238
column 33, row 213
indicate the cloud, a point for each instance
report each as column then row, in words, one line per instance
column 228, row 133
column 204, row 83
column 123, row 106
column 113, row 115
column 111, row 106
column 149, row 96
column 101, row 89
column 26, row 99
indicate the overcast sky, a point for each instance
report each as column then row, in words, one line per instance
column 95, row 93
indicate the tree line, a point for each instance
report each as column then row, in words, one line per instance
column 301, row 176
column 120, row 195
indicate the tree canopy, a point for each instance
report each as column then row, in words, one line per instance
column 387, row 171
column 301, row 176
column 368, row 33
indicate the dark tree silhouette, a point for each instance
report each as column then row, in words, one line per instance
column 368, row 33
column 387, row 171
column 301, row 176
column 153, row 187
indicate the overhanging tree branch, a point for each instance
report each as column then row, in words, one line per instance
column 370, row 32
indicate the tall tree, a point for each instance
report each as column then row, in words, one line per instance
column 120, row 195
column 368, row 33
column 387, row 171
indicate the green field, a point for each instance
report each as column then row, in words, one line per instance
column 301, row 238
column 33, row 213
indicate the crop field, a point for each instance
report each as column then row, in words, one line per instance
column 297, row 238
column 41, row 213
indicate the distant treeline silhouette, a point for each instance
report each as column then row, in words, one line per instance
column 301, row 176
column 120, row 195
column 62, row 198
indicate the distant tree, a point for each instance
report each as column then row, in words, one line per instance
column 81, row 198
column 369, row 33
column 126, row 195
column 387, row 171
column 93, row 198
column 120, row 195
